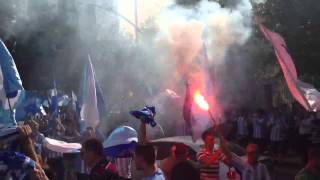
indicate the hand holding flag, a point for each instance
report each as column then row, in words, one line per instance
column 146, row 115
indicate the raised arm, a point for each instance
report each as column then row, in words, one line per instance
column 142, row 134
column 27, row 146
column 209, row 159
column 224, row 147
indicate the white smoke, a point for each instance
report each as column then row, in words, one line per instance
column 259, row 1
column 183, row 31
column 133, row 75
column 208, row 22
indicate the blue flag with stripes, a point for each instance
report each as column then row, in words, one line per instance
column 11, row 79
column 92, row 102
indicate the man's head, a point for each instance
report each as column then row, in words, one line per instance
column 90, row 130
column 260, row 113
column 208, row 139
column 91, row 151
column 145, row 156
column 89, row 133
column 179, row 151
column 314, row 158
column 252, row 153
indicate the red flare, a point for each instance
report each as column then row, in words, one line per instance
column 199, row 99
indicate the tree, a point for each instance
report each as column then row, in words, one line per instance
column 297, row 21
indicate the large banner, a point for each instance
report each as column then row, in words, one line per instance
column 304, row 93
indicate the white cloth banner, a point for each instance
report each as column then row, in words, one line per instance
column 61, row 146
column 303, row 92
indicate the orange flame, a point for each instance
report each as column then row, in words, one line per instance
column 200, row 101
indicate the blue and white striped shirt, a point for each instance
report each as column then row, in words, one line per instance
column 278, row 126
column 248, row 172
column 124, row 167
column 258, row 128
column 242, row 126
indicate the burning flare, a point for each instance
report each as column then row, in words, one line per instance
column 199, row 99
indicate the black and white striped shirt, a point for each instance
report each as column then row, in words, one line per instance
column 209, row 172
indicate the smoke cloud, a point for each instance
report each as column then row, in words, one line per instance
column 187, row 31
column 133, row 74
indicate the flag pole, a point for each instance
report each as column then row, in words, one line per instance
column 211, row 116
column 11, row 112
column 215, row 126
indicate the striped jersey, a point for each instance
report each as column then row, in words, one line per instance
column 210, row 172
column 258, row 125
column 259, row 172
column 38, row 140
column 278, row 126
column 242, row 126
column 124, row 167
column 49, row 153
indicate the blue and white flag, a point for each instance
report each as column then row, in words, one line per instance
column 121, row 142
column 89, row 99
column 10, row 81
column 101, row 101
column 63, row 100
column 54, row 98
column 14, row 165
column 29, row 103
column 74, row 100
column 146, row 115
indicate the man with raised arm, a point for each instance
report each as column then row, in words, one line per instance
column 145, row 153
column 209, row 158
column 250, row 169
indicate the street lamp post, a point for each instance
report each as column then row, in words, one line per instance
column 136, row 19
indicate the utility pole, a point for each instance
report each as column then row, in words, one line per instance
column 136, row 22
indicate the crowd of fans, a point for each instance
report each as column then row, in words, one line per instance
column 278, row 132
column 273, row 133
